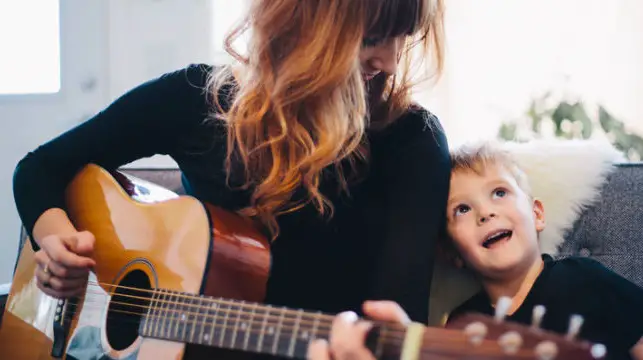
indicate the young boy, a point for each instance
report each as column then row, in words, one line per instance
column 493, row 224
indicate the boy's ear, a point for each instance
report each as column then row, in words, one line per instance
column 539, row 215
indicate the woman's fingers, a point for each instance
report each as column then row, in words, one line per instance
column 61, row 273
column 386, row 311
column 346, row 340
column 348, row 336
column 57, row 251
column 318, row 350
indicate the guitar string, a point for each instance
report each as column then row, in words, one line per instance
column 274, row 313
column 286, row 323
column 394, row 333
column 164, row 292
column 236, row 303
column 241, row 307
column 453, row 336
column 444, row 342
column 232, row 315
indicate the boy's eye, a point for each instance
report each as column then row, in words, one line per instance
column 500, row 193
column 371, row 41
column 461, row 209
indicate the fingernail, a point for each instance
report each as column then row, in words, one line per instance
column 348, row 316
column 368, row 325
column 373, row 304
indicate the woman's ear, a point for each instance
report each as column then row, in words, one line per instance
column 539, row 215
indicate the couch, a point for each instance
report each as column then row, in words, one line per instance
column 610, row 231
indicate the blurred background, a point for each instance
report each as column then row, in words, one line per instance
column 516, row 70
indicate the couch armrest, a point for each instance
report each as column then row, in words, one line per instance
column 4, row 289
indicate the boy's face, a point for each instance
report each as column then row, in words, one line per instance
column 493, row 223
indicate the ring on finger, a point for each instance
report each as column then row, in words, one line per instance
column 45, row 270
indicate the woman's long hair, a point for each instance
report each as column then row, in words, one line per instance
column 299, row 103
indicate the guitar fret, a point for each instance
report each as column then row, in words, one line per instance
column 278, row 331
column 215, row 306
column 304, row 334
column 205, row 319
column 266, row 313
column 380, row 342
column 313, row 332
column 293, row 336
column 167, row 317
column 193, row 313
column 148, row 318
column 184, row 318
column 158, row 329
column 249, row 327
column 172, row 307
column 307, row 335
column 225, row 324
column 262, row 328
column 236, row 325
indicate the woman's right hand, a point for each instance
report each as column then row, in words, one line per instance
column 64, row 263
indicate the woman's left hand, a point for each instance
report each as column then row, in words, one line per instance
column 348, row 334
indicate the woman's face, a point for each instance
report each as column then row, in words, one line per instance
column 380, row 55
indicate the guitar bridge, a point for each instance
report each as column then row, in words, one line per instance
column 62, row 322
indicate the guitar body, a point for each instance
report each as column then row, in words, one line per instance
column 146, row 238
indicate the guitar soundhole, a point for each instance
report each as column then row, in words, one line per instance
column 126, row 308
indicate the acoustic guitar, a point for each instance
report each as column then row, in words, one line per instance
column 177, row 278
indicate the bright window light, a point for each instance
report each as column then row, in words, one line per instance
column 30, row 43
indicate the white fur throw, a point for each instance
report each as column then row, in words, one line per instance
column 566, row 175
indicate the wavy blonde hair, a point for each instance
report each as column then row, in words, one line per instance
column 297, row 103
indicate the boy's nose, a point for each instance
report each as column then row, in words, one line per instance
column 487, row 217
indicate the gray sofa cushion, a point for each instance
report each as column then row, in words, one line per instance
column 611, row 230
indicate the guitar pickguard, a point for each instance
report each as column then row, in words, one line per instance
column 89, row 339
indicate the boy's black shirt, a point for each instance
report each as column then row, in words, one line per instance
column 612, row 306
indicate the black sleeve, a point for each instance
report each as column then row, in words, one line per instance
column 143, row 122
column 417, row 187
column 477, row 304
column 621, row 303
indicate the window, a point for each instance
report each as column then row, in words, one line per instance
column 30, row 42
column 502, row 54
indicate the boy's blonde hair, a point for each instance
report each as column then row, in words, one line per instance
column 476, row 157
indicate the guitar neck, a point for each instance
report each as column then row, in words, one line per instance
column 250, row 327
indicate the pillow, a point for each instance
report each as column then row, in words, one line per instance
column 566, row 175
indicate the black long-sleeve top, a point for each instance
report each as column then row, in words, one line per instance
column 378, row 245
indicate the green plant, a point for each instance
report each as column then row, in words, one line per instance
column 571, row 120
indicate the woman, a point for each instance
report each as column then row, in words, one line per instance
column 313, row 135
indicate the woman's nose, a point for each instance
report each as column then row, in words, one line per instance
column 385, row 56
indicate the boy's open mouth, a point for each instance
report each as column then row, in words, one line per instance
column 496, row 237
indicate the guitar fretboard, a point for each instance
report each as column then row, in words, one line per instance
column 236, row 325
